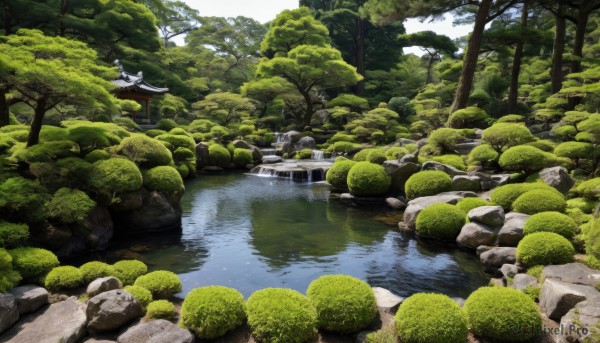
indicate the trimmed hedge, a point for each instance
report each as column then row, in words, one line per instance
column 506, row 195
column 94, row 270
column 551, row 222
column 483, row 155
column 145, row 151
column 467, row 204
column 440, row 221
column 63, row 277
column 428, row 182
column 163, row 179
column 544, row 248
column 365, row 178
column 376, row 157
column 243, row 157
column 212, row 311
column 395, row 153
column 161, row 309
column 540, row 200
column 337, row 175
column 32, row 263
column 502, row 314
column 455, row 161
column 142, row 295
column 304, row 154
column 161, row 283
column 523, row 158
column 431, row 318
column 344, row 303
column 13, row 235
column 129, row 270
column 5, row 260
column 116, row 175
column 590, row 189
column 219, row 156
column 70, row 205
column 277, row 315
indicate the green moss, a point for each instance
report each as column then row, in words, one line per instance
column 544, row 248
column 574, row 150
column 8, row 280
column 129, row 270
column 277, row 315
column 540, row 200
column 243, row 157
column 467, row 117
column 163, row 179
column 219, row 156
column 445, row 139
column 502, row 314
column 431, row 318
column 366, row 179
column 440, row 221
column 32, row 263
column 506, row 195
column 525, row 159
column 535, row 271
column 115, row 175
column 212, row 311
column 145, row 151
column 94, row 270
column 70, row 206
column 590, row 189
column 361, row 156
column 5, row 260
column 551, row 222
column 385, row 335
column 142, row 295
column 533, row 292
column 483, row 155
column 63, row 277
column 344, row 303
column 377, row 157
column 396, row 153
column 46, row 152
column 166, row 124
column 343, row 147
column 96, row 155
column 585, row 205
column 425, row 183
column 161, row 309
column 467, row 204
column 542, row 144
column 53, row 133
column 455, row 161
column 89, row 137
column 161, row 283
column 13, row 235
column 337, row 175
column 304, row 154
column 155, row 132
column 183, row 154
column 178, row 141
column 342, row 137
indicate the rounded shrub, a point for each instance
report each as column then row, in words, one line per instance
column 161, row 309
column 183, row 154
column 483, row 155
column 343, row 147
column 467, row 204
column 33, row 262
column 177, row 141
column 431, row 318
column 523, row 158
column 467, row 117
column 544, row 248
column 376, row 156
column 94, row 270
column 344, row 303
column 116, row 175
column 361, row 156
column 212, row 311
column 63, row 277
column 70, row 205
column 440, row 221
column 590, row 189
column 445, row 139
column 583, row 204
column 219, row 156
column 452, row 160
column 337, row 175
column 428, row 182
column 551, row 222
column 96, row 155
column 161, row 283
column 304, row 154
column 277, row 315
column 13, row 235
column 366, row 178
column 9, row 279
column 395, row 153
column 502, row 314
column 129, row 270
column 5, row 260
column 166, row 124
column 145, row 151
column 163, row 179
column 540, row 200
column 142, row 295
column 506, row 195
column 242, row 157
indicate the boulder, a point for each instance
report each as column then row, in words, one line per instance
column 511, row 232
column 271, row 159
column 9, row 312
column 241, row 144
column 465, row 148
column 558, row 178
column 306, row 142
column 417, row 205
column 466, row 183
column 522, row 281
column 579, row 323
column 129, row 201
column 291, row 137
column 576, row 273
column 497, row 256
column 29, row 298
column 489, row 181
column 433, row 165
column 387, row 301
column 102, row 285
column 256, row 154
column 481, row 249
column 400, row 172
column 492, row 216
column 509, row 270
column 111, row 310
column 356, row 200
column 161, row 212
column 473, row 235
column 395, row 203
column 60, row 322
column 202, row 157
column 557, row 297
column 409, row 158
column 155, row 331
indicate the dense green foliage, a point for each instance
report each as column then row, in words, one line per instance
column 13, row 235
column 540, row 200
column 63, row 277
column 142, row 295
column 365, row 178
column 467, row 204
column 116, row 175
column 145, row 151
column 551, row 222
column 243, row 157
column 219, row 156
column 544, row 248
column 32, row 263
column 70, row 205
column 94, row 270
column 427, row 183
column 440, row 221
column 161, row 309
column 163, row 179
column 525, row 158
column 337, row 175
column 506, row 195
column 161, row 283
column 129, row 270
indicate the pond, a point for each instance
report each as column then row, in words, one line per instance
column 250, row 232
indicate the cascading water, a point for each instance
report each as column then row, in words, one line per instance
column 279, row 137
column 317, row 155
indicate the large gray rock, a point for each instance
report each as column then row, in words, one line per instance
column 474, row 234
column 202, row 156
column 417, row 205
column 306, row 142
column 387, row 301
column 9, row 312
column 111, row 310
column 557, row 297
column 156, row 331
column 522, row 281
column 509, row 270
column 492, row 216
column 579, row 322
column 271, row 159
column 60, row 322
column 161, row 212
column 558, row 178
column 466, row 183
column 395, row 203
column 497, row 256
column 465, row 148
column 100, row 229
column 400, row 172
column 102, row 285
column 576, row 273
column 433, row 165
column 511, row 232
column 291, row 137
column 29, row 298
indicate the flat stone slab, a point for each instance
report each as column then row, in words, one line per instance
column 29, row 297
column 576, row 273
column 492, row 216
column 387, row 301
column 557, row 297
column 585, row 315
column 156, row 331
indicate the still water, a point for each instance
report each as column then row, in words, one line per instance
column 250, row 232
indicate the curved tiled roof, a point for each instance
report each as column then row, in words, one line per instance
column 128, row 81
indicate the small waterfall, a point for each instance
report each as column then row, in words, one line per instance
column 318, row 155
column 265, row 172
column 279, row 137
column 267, row 151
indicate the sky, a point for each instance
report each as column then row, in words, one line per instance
column 266, row 10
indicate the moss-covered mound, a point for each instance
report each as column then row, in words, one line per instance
column 506, row 195
column 212, row 311
column 590, row 189
column 344, row 303
column 63, row 277
column 242, row 157
column 524, row 158
column 431, row 318
column 365, row 178
column 219, row 156
column 13, row 235
column 32, row 263
column 163, row 179
column 70, row 205
column 440, row 221
column 161, row 283
column 95, row 269
column 544, row 248
column 129, row 270
column 540, row 200
column 468, row 204
column 483, row 155
column 278, row 315
column 338, row 173
column 502, row 314
column 115, row 175
column 142, row 295
column 551, row 222
column 145, row 151
column 161, row 309
column 376, row 156
column 425, row 183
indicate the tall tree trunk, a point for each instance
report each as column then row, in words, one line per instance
column 516, row 67
column 4, row 115
column 36, row 124
column 309, row 109
column 64, row 5
column 360, row 54
column 583, row 15
column 465, row 82
column 430, row 69
column 559, row 47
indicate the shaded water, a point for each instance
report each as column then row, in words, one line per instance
column 249, row 233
